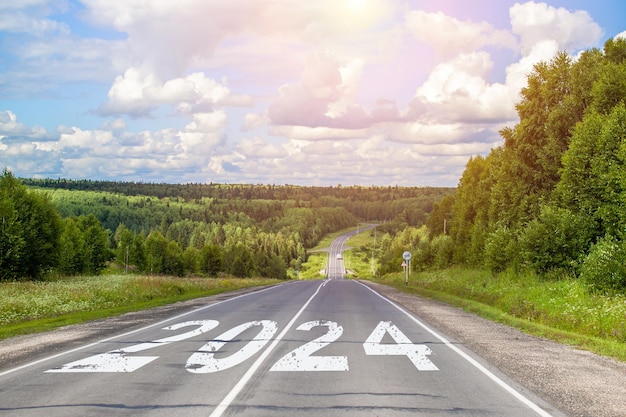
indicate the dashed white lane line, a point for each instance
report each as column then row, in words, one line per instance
column 227, row 401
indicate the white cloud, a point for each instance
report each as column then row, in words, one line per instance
column 9, row 126
column 258, row 148
column 538, row 22
column 20, row 22
column 317, row 133
column 184, row 32
column 450, row 36
column 457, row 90
column 137, row 93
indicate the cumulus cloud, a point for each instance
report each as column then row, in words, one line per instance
column 306, row 103
column 457, row 90
column 259, row 148
column 9, row 126
column 103, row 153
column 137, row 93
column 325, row 97
column 537, row 22
column 450, row 36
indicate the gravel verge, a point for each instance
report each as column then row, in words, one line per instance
column 577, row 382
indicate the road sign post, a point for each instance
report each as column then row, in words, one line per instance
column 407, row 257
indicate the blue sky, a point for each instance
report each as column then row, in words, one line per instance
column 367, row 92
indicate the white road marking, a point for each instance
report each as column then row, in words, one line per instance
column 115, row 361
column 203, row 361
column 118, row 361
column 540, row 411
column 225, row 403
column 108, row 339
column 300, row 359
column 403, row 347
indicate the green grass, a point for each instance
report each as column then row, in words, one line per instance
column 314, row 264
column 27, row 307
column 359, row 258
column 563, row 310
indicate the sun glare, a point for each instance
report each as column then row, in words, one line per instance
column 356, row 5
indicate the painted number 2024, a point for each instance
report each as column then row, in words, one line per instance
column 204, row 361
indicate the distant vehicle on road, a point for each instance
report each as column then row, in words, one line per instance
column 339, row 256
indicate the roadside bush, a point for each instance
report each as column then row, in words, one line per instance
column 442, row 248
column 555, row 240
column 501, row 249
column 604, row 268
column 424, row 256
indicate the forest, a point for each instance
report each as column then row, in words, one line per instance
column 72, row 227
column 552, row 198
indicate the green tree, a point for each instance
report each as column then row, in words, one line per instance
column 239, row 261
column 471, row 208
column 212, row 260
column 29, row 230
column 156, row 246
column 440, row 216
column 593, row 180
column 95, row 244
column 173, row 260
column 610, row 89
column 138, row 252
column 124, row 238
column 191, row 260
column 71, row 244
column 603, row 268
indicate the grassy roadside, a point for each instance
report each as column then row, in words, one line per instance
column 558, row 308
column 563, row 311
column 29, row 307
column 358, row 259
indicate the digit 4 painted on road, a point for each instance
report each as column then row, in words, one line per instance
column 416, row 353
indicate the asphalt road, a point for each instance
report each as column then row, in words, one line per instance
column 336, row 268
column 304, row 348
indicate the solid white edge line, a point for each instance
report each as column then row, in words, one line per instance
column 520, row 397
column 228, row 399
column 108, row 339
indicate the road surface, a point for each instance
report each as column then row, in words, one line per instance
column 336, row 268
column 303, row 348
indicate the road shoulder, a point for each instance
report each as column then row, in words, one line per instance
column 580, row 383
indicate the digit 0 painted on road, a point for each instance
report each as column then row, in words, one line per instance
column 298, row 360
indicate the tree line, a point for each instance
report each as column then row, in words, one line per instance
column 242, row 230
column 552, row 198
